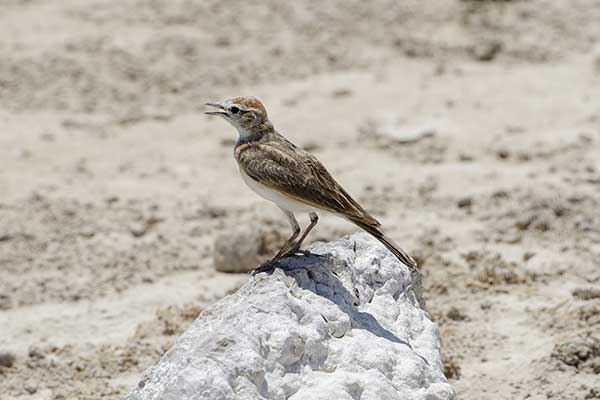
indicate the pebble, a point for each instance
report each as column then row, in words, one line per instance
column 487, row 50
column 242, row 249
column 465, row 202
column 456, row 314
column 35, row 353
column 586, row 293
column 5, row 236
column 31, row 387
column 596, row 60
column 7, row 359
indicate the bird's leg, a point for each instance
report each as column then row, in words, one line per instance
column 314, row 218
column 291, row 239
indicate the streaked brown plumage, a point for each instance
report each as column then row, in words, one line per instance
column 284, row 167
column 292, row 178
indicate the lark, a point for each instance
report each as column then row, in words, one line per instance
column 292, row 178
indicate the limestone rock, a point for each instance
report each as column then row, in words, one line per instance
column 344, row 325
column 244, row 249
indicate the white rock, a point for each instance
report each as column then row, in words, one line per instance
column 394, row 131
column 343, row 326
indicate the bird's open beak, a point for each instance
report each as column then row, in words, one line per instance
column 216, row 105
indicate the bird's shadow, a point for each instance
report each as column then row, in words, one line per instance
column 316, row 273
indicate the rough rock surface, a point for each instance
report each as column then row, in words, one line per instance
column 345, row 325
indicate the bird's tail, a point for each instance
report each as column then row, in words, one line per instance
column 387, row 242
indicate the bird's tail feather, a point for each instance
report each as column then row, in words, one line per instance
column 387, row 242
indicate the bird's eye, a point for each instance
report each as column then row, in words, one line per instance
column 234, row 110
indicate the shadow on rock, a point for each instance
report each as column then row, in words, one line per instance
column 317, row 273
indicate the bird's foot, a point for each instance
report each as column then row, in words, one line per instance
column 295, row 251
column 268, row 266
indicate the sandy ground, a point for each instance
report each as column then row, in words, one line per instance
column 114, row 185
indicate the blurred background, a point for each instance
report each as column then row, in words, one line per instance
column 471, row 129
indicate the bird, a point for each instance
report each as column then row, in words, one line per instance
column 295, row 180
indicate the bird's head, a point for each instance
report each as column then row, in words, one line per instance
column 247, row 114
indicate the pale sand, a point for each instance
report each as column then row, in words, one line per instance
column 114, row 185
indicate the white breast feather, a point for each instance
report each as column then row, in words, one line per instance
column 284, row 202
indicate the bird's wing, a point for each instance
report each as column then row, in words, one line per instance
column 299, row 175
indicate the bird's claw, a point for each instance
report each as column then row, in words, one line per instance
column 296, row 251
column 265, row 267
column 273, row 263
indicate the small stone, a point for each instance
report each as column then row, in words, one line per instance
column 242, row 249
column 87, row 232
column 487, row 50
column 414, row 136
column 23, row 154
column 311, row 146
column 514, row 129
column 223, row 41
column 524, row 223
column 503, row 154
column 466, row 157
column 456, row 314
column 5, row 236
column 111, row 200
column 344, row 92
column 7, row 359
column 500, row 194
column 393, row 132
column 465, row 202
column 142, row 383
column 5, row 302
column 35, row 353
column 139, row 229
column 216, row 212
column 31, row 387
column 513, row 238
column 596, row 60
column 47, row 137
column 588, row 293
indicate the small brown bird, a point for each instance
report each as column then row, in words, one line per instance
column 290, row 177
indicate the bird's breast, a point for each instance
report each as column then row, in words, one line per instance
column 283, row 201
